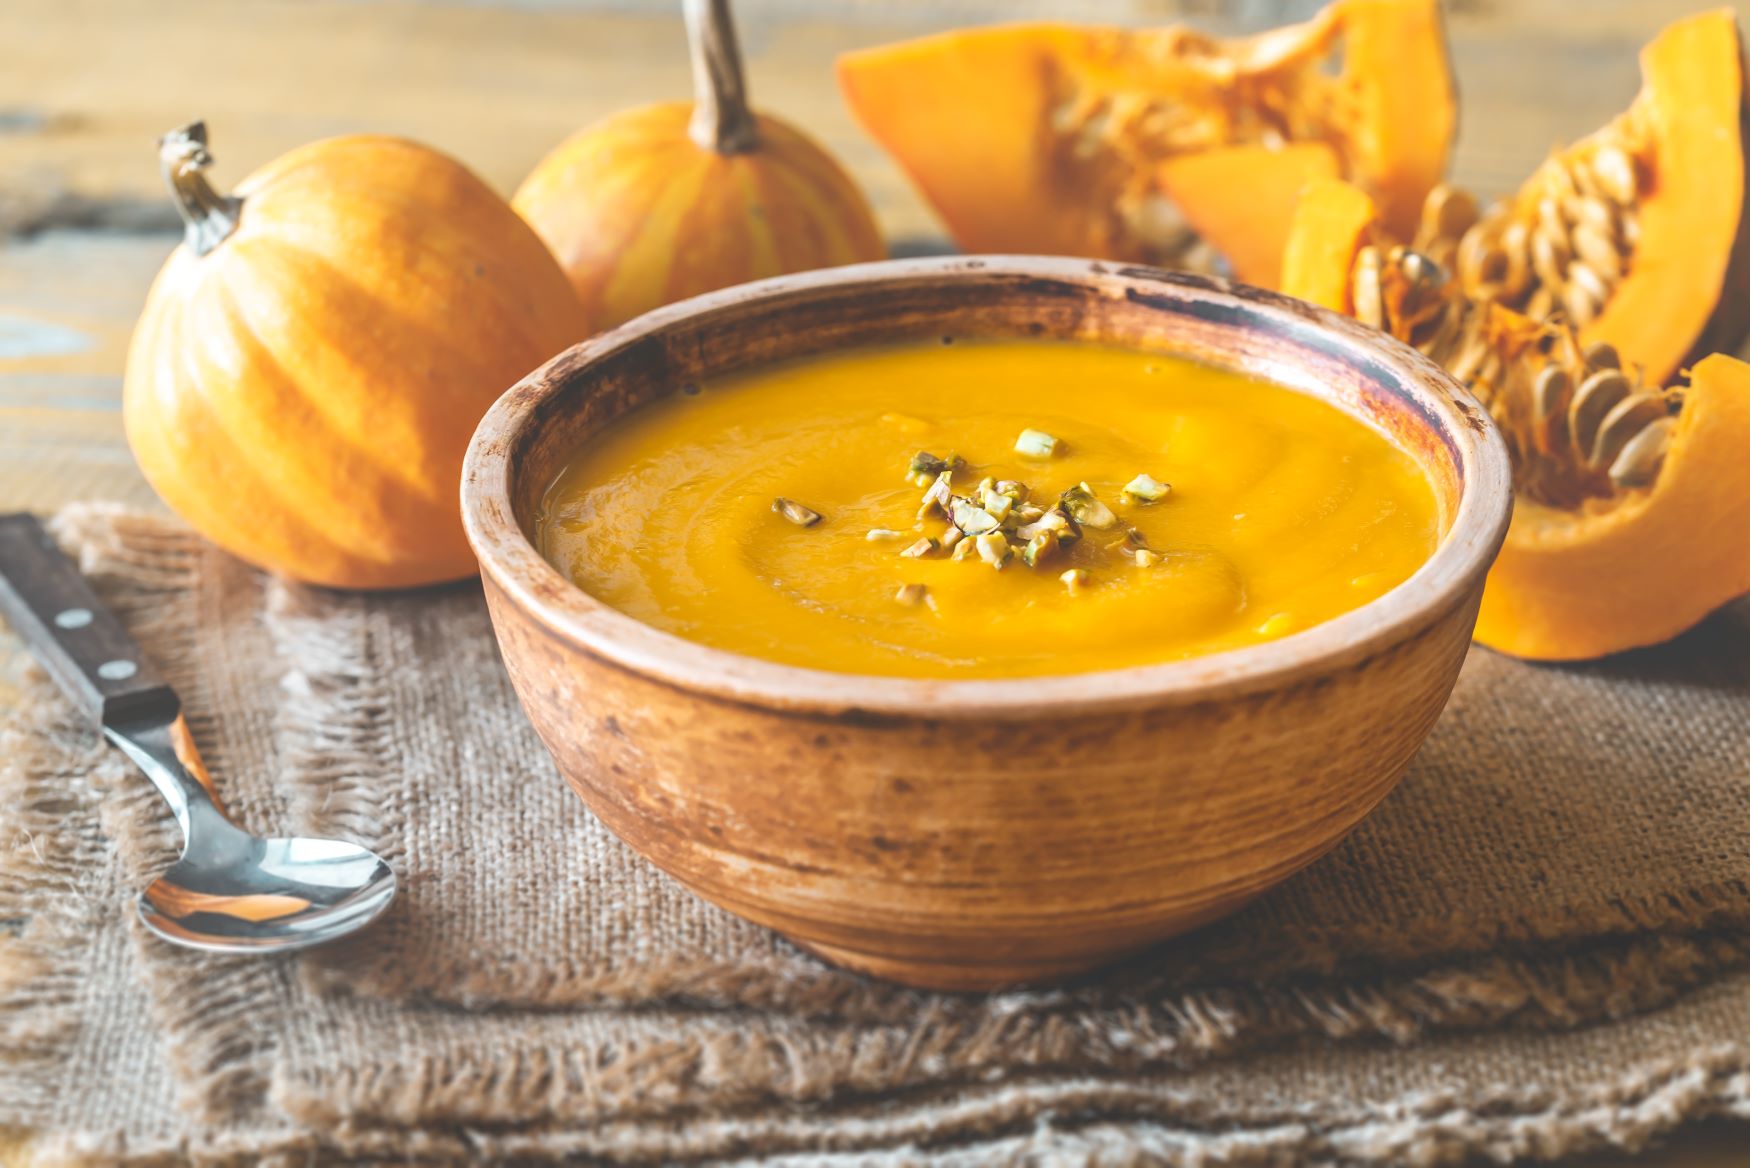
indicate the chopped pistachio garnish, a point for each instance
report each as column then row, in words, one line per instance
column 925, row 466
column 1143, row 558
column 951, row 537
column 1134, row 538
column 993, row 549
column 938, row 496
column 921, row 548
column 1040, row 547
column 1055, row 521
column 877, row 534
column 912, row 594
column 1145, row 489
column 1028, row 513
column 1075, row 580
column 1013, row 488
column 1035, row 444
column 963, row 550
column 795, row 512
column 995, row 503
column 970, row 518
column 1087, row 510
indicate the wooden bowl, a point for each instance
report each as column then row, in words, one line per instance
column 974, row 834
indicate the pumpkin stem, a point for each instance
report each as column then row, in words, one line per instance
column 208, row 216
column 722, row 120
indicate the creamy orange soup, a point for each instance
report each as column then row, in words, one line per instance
column 998, row 509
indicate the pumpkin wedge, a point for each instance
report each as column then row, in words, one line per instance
column 1631, row 498
column 1163, row 146
column 1636, row 234
column 1644, row 565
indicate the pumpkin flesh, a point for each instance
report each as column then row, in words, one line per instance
column 1080, row 140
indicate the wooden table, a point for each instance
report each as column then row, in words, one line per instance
column 87, row 85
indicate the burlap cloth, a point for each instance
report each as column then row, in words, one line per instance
column 1540, row 943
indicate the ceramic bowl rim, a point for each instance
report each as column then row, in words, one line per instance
column 511, row 563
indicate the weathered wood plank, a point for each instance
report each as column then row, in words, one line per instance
column 87, row 85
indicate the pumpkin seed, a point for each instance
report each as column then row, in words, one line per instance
column 1580, row 305
column 1642, row 456
column 1627, row 418
column 1595, row 398
column 1597, row 250
column 1616, row 175
column 1584, row 276
column 1601, row 355
column 1549, row 257
column 1549, row 405
column 1516, row 276
column 1447, row 213
column 1075, row 580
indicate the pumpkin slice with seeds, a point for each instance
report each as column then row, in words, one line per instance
column 1631, row 497
column 1635, row 235
column 1154, row 145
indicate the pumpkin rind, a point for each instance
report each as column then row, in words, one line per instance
column 1005, row 174
column 1575, row 586
column 304, row 393
column 1685, row 294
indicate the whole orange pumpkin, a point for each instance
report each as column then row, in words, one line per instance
column 667, row 201
column 312, row 361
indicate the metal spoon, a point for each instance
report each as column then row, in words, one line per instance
column 230, row 891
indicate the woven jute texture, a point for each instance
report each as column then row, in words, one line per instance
column 1539, row 944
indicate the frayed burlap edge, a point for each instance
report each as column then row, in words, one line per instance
column 767, row 1059
column 1073, row 1119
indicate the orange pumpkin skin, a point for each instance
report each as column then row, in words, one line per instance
column 303, row 394
column 641, row 215
column 985, row 123
column 1576, row 586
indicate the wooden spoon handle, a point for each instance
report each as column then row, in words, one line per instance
column 82, row 645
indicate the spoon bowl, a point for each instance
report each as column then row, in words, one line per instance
column 268, row 894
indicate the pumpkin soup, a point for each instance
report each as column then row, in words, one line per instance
column 987, row 509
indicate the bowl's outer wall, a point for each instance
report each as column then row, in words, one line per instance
column 1022, row 843
column 974, row 856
